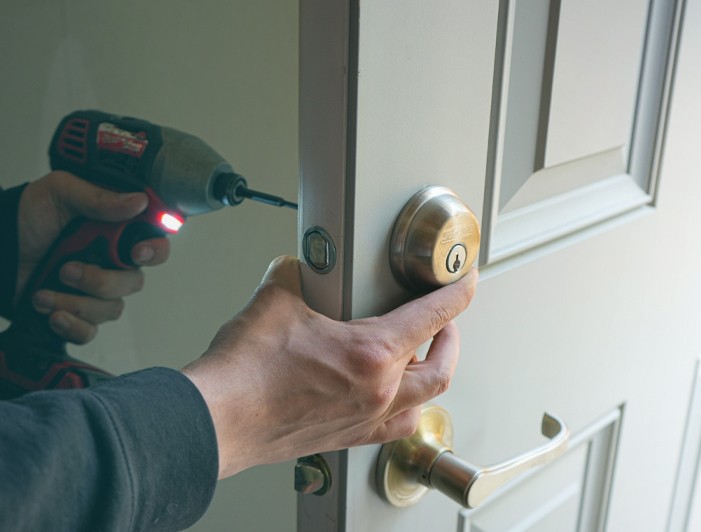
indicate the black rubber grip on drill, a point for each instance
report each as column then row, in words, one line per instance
column 84, row 241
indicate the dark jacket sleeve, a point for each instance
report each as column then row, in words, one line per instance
column 9, row 203
column 134, row 453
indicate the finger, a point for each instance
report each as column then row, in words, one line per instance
column 77, row 197
column 101, row 283
column 284, row 271
column 89, row 309
column 428, row 378
column 151, row 252
column 419, row 320
column 70, row 328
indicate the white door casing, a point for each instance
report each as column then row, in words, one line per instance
column 574, row 314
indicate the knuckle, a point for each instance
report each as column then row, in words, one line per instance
column 111, row 284
column 381, row 397
column 374, row 357
column 100, row 288
column 441, row 382
column 370, row 360
column 95, row 282
column 440, row 317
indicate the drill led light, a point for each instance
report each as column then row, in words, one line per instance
column 170, row 223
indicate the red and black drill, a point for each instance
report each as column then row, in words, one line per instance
column 181, row 175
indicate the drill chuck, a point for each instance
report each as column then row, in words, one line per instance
column 231, row 189
column 227, row 188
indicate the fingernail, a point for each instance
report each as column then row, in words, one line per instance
column 71, row 272
column 143, row 254
column 44, row 301
column 60, row 323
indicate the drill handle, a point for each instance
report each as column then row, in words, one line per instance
column 105, row 244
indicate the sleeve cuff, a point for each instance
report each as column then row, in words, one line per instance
column 169, row 444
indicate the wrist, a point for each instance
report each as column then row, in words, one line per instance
column 230, row 436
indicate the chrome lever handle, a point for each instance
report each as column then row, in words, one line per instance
column 407, row 468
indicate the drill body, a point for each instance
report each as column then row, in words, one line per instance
column 181, row 175
column 130, row 154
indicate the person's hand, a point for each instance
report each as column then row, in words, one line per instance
column 282, row 381
column 46, row 207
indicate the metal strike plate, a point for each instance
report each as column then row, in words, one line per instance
column 435, row 239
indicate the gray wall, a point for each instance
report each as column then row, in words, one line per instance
column 221, row 69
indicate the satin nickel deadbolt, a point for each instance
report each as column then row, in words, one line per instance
column 435, row 239
column 409, row 467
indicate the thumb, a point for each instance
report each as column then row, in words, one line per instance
column 284, row 273
column 77, row 197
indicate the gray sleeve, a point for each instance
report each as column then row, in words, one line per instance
column 135, row 453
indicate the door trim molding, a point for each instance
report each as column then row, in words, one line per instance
column 328, row 73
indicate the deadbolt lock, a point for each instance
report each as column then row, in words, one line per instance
column 435, row 239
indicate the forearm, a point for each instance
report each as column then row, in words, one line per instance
column 136, row 453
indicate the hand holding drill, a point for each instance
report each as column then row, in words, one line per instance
column 150, row 178
column 46, row 207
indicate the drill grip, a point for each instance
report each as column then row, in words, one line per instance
column 104, row 244
column 32, row 356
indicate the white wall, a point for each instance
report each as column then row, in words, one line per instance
column 222, row 69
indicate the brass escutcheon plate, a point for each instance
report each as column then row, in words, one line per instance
column 403, row 465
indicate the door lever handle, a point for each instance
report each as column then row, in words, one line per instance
column 409, row 467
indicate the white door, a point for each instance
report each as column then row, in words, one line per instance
column 551, row 119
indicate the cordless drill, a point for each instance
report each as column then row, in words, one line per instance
column 180, row 174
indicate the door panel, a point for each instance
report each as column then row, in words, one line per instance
column 577, row 92
column 584, row 325
column 598, row 53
